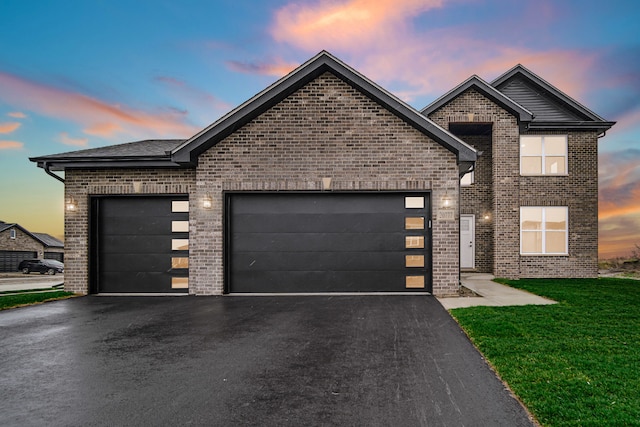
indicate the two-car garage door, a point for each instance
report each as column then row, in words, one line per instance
column 328, row 242
column 274, row 243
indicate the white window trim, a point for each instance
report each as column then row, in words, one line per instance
column 544, row 233
column 12, row 233
column 544, row 156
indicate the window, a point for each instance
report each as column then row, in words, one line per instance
column 467, row 179
column 543, row 230
column 543, row 155
column 12, row 233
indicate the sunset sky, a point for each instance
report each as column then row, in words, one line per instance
column 80, row 74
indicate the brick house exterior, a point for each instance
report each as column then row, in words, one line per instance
column 323, row 131
column 18, row 243
column 500, row 189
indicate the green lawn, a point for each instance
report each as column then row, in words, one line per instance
column 576, row 363
column 10, row 301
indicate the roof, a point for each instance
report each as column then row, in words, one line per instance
column 319, row 64
column 533, row 101
column 184, row 153
column 475, row 82
column 151, row 152
column 552, row 108
column 47, row 240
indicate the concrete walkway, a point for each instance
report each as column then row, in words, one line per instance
column 492, row 294
column 21, row 282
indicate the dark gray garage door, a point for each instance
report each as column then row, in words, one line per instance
column 9, row 260
column 328, row 242
column 140, row 244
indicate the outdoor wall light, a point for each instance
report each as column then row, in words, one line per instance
column 446, row 201
column 207, row 202
column 487, row 217
column 70, row 204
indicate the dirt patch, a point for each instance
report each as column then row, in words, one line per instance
column 466, row 292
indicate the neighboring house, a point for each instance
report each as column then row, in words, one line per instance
column 17, row 244
column 326, row 182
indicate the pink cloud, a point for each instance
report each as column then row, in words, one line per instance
column 17, row 115
column 89, row 112
column 102, row 129
column 619, row 202
column 9, row 127
column 67, row 140
column 347, row 24
column 10, row 145
column 379, row 39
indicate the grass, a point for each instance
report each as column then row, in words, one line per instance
column 19, row 300
column 576, row 363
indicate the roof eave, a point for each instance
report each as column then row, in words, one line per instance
column 61, row 164
column 577, row 125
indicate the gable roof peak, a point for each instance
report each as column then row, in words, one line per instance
column 549, row 95
column 187, row 153
column 477, row 83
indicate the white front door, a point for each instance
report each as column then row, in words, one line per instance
column 467, row 241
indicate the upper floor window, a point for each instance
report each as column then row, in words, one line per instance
column 544, row 230
column 12, row 233
column 467, row 179
column 543, row 155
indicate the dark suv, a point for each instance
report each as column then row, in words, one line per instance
column 42, row 266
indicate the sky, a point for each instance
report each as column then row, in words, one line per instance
column 78, row 74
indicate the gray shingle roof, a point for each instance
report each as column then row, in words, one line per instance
column 146, row 148
column 147, row 153
column 48, row 240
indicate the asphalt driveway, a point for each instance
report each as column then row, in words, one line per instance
column 341, row 360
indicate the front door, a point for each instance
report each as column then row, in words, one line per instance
column 467, row 241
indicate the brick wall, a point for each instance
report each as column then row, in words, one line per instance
column 325, row 129
column 578, row 191
column 80, row 184
column 473, row 107
column 22, row 242
column 477, row 200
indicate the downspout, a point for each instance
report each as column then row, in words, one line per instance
column 46, row 166
column 604, row 132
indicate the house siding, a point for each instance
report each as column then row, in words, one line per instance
column 578, row 191
column 325, row 129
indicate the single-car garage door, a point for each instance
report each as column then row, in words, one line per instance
column 140, row 244
column 328, row 242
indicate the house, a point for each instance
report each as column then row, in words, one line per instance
column 327, row 182
column 17, row 244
